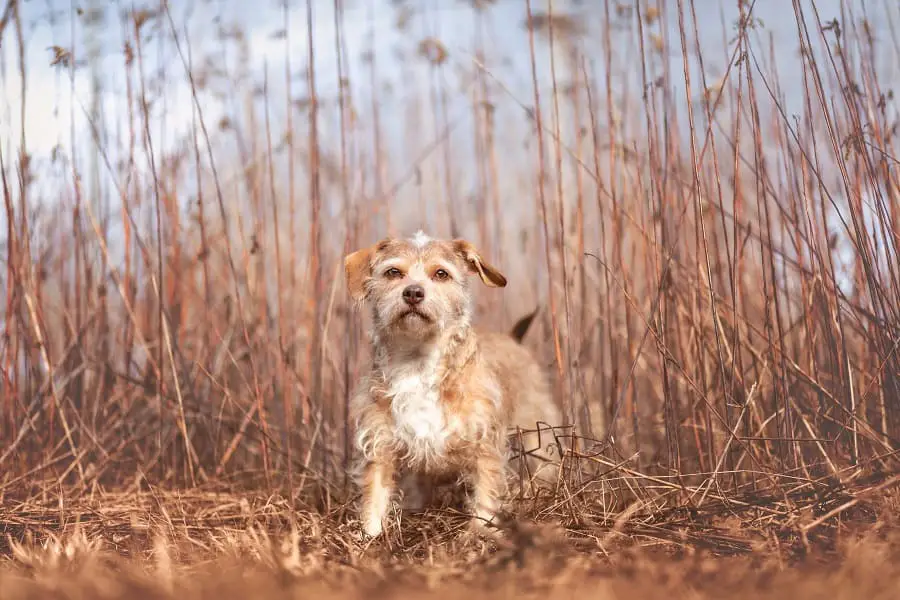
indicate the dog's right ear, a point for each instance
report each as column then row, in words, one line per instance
column 356, row 268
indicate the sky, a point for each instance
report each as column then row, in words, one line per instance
column 56, row 106
column 368, row 25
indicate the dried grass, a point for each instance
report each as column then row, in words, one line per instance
column 216, row 544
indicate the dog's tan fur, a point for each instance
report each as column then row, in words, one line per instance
column 440, row 399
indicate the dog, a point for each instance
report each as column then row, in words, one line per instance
column 440, row 398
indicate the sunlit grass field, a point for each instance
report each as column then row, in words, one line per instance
column 710, row 239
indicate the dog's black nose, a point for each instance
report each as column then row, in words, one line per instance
column 413, row 294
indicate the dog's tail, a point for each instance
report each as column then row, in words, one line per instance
column 522, row 325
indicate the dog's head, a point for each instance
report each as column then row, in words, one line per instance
column 417, row 287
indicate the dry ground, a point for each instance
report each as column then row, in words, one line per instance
column 218, row 544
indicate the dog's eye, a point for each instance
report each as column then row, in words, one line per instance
column 393, row 273
column 441, row 275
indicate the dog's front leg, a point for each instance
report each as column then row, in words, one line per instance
column 488, row 485
column 378, row 487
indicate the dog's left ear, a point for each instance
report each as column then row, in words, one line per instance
column 356, row 268
column 487, row 272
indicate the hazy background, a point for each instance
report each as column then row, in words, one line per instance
column 223, row 219
column 237, row 47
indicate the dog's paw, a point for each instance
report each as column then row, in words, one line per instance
column 364, row 531
column 481, row 526
column 372, row 528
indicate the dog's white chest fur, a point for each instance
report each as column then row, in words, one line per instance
column 419, row 419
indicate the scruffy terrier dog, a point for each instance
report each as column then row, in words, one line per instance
column 440, row 399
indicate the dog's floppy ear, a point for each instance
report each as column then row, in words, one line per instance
column 487, row 272
column 356, row 268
